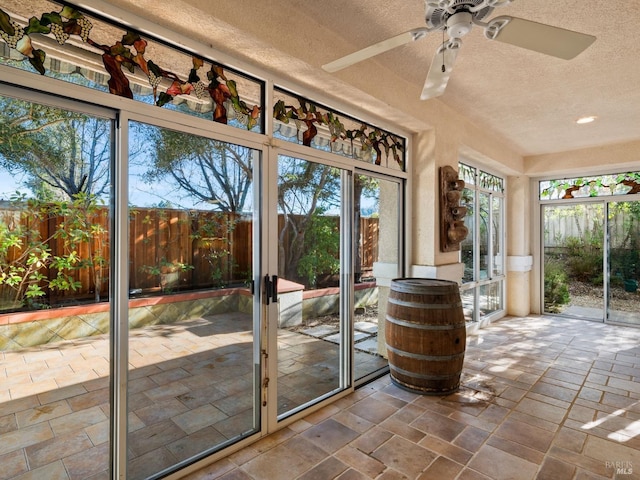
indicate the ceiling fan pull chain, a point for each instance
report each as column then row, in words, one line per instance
column 443, row 50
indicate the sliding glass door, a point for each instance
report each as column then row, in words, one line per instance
column 623, row 256
column 56, row 189
column 573, row 261
column 193, row 380
column 312, row 283
column 591, row 259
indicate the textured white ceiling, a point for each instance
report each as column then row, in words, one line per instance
column 527, row 99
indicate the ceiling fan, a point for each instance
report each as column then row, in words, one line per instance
column 456, row 18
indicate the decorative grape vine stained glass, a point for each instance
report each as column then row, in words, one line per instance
column 487, row 181
column 299, row 120
column 597, row 186
column 467, row 173
column 67, row 44
column 484, row 180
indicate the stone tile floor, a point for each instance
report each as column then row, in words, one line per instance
column 542, row 398
column 365, row 335
column 190, row 388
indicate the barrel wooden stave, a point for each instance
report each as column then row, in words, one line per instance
column 426, row 335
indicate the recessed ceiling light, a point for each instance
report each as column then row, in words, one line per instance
column 583, row 120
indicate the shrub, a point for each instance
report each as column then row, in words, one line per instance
column 556, row 288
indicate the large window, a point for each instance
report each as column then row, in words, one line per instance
column 482, row 252
column 161, row 259
column 55, row 243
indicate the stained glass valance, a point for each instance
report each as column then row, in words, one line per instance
column 596, row 186
column 68, row 44
column 467, row 173
column 301, row 121
column 484, row 180
column 488, row 181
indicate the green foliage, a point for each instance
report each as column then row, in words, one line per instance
column 625, row 263
column 583, row 259
column 321, row 247
column 22, row 259
column 213, row 237
column 81, row 229
column 28, row 269
column 556, row 288
column 165, row 266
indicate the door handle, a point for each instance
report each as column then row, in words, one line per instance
column 271, row 288
column 274, row 288
column 268, row 288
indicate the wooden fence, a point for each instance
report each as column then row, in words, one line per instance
column 195, row 249
column 586, row 224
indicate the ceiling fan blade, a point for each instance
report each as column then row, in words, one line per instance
column 376, row 49
column 440, row 70
column 554, row 41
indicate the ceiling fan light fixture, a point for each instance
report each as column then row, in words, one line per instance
column 586, row 119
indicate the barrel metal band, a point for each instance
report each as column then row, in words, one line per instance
column 425, row 306
column 420, row 375
column 421, row 326
column 430, row 358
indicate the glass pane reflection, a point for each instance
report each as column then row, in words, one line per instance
column 193, row 371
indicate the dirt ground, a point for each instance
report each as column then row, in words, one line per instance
column 587, row 295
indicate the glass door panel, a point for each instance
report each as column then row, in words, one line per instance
column 624, row 262
column 311, row 337
column 490, row 298
column 573, row 259
column 497, row 236
column 193, row 378
column 55, row 231
column 377, row 250
column 484, row 211
column 467, row 250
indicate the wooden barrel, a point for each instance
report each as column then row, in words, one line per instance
column 425, row 335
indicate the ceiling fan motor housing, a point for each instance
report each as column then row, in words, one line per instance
column 459, row 24
column 437, row 16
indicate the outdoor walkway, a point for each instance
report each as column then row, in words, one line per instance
column 543, row 398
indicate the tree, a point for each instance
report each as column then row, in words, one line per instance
column 208, row 171
column 305, row 189
column 61, row 152
column 65, row 160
